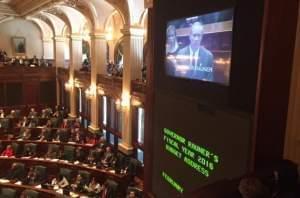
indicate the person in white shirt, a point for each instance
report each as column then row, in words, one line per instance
column 60, row 181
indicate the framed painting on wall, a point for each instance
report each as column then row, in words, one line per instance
column 19, row 45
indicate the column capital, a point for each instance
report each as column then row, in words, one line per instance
column 76, row 37
column 100, row 36
column 133, row 31
column 59, row 38
column 47, row 40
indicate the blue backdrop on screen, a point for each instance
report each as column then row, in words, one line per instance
column 199, row 47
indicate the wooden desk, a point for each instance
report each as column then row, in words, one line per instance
column 42, row 147
column 53, row 169
column 20, row 188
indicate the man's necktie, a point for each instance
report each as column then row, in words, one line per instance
column 194, row 60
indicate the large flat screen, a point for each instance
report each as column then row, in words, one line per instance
column 199, row 47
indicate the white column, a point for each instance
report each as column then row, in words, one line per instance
column 48, row 49
column 59, row 50
column 133, row 60
column 75, row 64
column 98, row 66
column 59, row 59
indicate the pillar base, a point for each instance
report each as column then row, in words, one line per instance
column 93, row 129
column 72, row 116
column 126, row 149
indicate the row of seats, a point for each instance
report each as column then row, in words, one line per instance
column 38, row 175
column 12, row 193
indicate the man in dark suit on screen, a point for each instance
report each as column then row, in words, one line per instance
column 195, row 61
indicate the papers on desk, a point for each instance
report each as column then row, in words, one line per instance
column 25, row 157
column 59, row 191
column 4, row 180
column 18, row 183
column 71, row 142
column 40, row 127
column 72, row 194
column 54, row 160
column 38, row 186
column 56, row 187
column 76, row 162
column 112, row 171
column 89, row 144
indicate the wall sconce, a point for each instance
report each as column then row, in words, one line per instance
column 78, row 84
column 101, row 91
column 135, row 102
column 123, row 103
column 69, row 85
column 90, row 92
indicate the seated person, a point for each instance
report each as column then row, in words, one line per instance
column 2, row 115
column 78, row 184
column 28, row 152
column 79, row 154
column 33, row 122
column 91, row 158
column 8, row 152
column 60, row 181
column 1, row 146
column 63, row 135
column 53, row 154
column 93, row 188
column 76, row 124
column 34, row 61
column 58, row 112
column 252, row 187
column 45, row 135
column 286, row 180
column 85, row 65
column 25, row 134
column 15, row 173
column 107, row 157
column 77, row 136
column 32, row 114
column 65, row 124
column 33, row 179
column 91, row 139
column 12, row 114
column 24, row 122
column 47, row 112
column 29, row 175
column 43, row 114
column 48, row 124
column 131, row 194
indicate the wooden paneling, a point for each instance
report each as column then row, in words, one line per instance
column 14, row 94
column 25, row 85
column 2, row 101
column 47, row 92
column 31, row 92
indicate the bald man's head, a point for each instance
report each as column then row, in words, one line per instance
column 196, row 35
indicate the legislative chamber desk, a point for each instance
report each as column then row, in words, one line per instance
column 53, row 166
column 42, row 146
column 44, row 193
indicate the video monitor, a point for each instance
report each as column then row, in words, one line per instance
column 199, row 47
